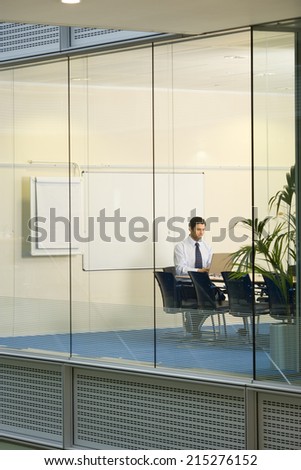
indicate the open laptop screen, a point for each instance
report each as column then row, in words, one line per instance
column 220, row 262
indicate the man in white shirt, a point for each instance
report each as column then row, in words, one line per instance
column 194, row 254
column 185, row 253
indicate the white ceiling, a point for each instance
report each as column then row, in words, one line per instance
column 166, row 16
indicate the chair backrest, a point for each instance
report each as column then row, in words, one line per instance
column 239, row 290
column 281, row 295
column 205, row 290
column 169, row 291
column 170, row 269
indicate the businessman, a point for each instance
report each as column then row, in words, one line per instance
column 194, row 254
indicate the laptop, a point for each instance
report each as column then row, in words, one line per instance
column 220, row 262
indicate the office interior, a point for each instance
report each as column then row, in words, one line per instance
column 223, row 107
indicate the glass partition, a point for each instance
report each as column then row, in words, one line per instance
column 120, row 149
column 203, row 140
column 275, row 203
column 111, row 141
column 34, row 147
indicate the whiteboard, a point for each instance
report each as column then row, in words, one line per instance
column 127, row 227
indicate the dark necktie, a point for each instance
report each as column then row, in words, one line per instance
column 198, row 257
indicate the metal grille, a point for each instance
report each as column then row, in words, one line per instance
column 31, row 401
column 20, row 40
column 93, row 36
column 279, row 422
column 131, row 414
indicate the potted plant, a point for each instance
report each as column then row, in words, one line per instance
column 272, row 246
column 272, row 249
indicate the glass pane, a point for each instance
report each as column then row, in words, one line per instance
column 111, row 132
column 202, row 130
column 34, row 144
column 274, row 201
column 156, row 136
column 7, row 222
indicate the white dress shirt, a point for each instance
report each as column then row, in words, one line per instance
column 184, row 255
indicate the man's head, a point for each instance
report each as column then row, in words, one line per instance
column 197, row 227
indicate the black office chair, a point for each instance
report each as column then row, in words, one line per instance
column 175, row 298
column 240, row 296
column 281, row 295
column 206, row 300
column 170, row 269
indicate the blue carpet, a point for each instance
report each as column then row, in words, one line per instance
column 173, row 349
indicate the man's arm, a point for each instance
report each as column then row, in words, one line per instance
column 180, row 260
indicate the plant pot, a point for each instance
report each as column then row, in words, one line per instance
column 283, row 346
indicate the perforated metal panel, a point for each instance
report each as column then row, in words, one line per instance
column 91, row 36
column 279, row 422
column 131, row 414
column 31, row 401
column 20, row 40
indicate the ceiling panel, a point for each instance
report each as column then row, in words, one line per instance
column 167, row 16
